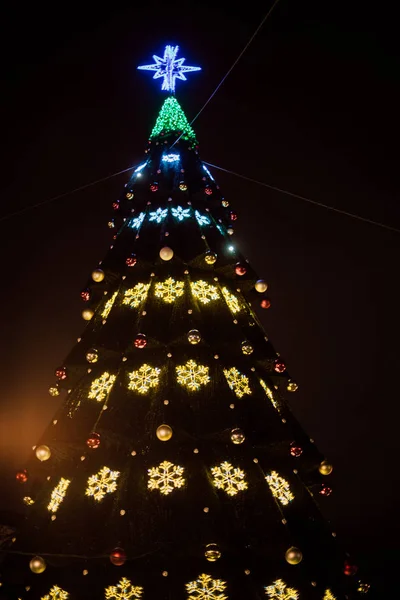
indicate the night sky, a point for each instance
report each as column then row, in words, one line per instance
column 312, row 107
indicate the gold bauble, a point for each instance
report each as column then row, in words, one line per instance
column 261, row 286
column 325, row 468
column 42, row 452
column 225, row 203
column 28, row 500
column 247, row 348
column 212, row 552
column 237, row 436
column 210, row 258
column 54, row 391
column 37, row 564
column 92, row 355
column 166, row 253
column 194, row 336
column 164, row 433
column 292, row 386
column 293, row 556
column 230, row 231
column 98, row 275
column 87, row 314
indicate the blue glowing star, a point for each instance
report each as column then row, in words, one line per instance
column 169, row 68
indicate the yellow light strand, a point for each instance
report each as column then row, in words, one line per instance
column 206, row 588
column 280, row 488
column 231, row 300
column 329, row 596
column 143, row 379
column 279, row 591
column 136, row 295
column 192, row 376
column 238, row 383
column 102, row 483
column 101, row 386
column 56, row 593
column 228, row 478
column 108, row 306
column 269, row 394
column 124, row 590
column 169, row 290
column 204, row 292
column 58, row 494
column 166, row 477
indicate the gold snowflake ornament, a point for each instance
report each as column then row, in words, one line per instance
column 143, row 379
column 279, row 591
column 169, row 290
column 269, row 394
column 204, row 292
column 102, row 483
column 101, row 386
column 231, row 300
column 237, row 382
column 192, row 375
column 280, row 488
column 228, row 478
column 108, row 306
column 206, row 588
column 124, row 590
column 135, row 296
column 166, row 477
column 58, row 494
column 56, row 593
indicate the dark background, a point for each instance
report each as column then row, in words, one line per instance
column 311, row 107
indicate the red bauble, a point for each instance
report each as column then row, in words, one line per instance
column 349, row 568
column 325, row 490
column 131, row 260
column 61, row 373
column 140, row 341
column 154, row 187
column 115, row 205
column 85, row 295
column 233, row 216
column 296, row 451
column 208, row 191
column 240, row 269
column 118, row 557
column 265, row 303
column 93, row 441
column 279, row 366
column 22, row 476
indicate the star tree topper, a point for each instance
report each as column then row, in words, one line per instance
column 169, row 67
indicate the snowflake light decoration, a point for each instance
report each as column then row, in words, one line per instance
column 101, row 386
column 192, row 375
column 171, row 158
column 108, row 306
column 135, row 296
column 204, row 292
column 206, row 588
column 269, row 394
column 279, row 487
column 279, row 591
column 328, row 595
column 228, row 478
column 238, row 382
column 169, row 290
column 124, row 590
column 136, row 222
column 143, row 379
column 201, row 219
column 166, row 477
column 169, row 68
column 180, row 213
column 102, row 483
column 158, row 215
column 58, row 494
column 56, row 593
column 231, row 300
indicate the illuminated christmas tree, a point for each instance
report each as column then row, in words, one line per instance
column 174, row 468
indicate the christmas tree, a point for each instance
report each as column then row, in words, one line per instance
column 174, row 468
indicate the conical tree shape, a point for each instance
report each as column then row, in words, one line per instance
column 174, row 468
column 172, row 119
